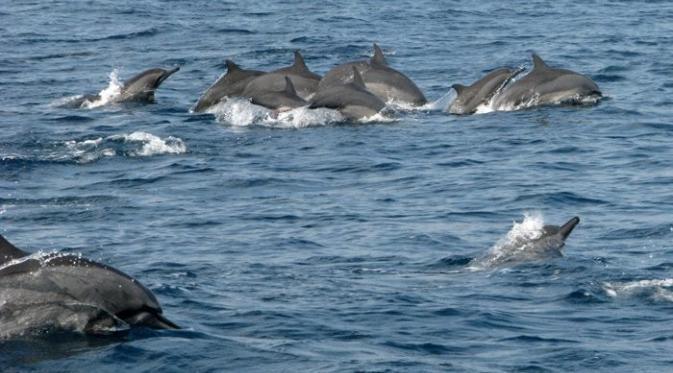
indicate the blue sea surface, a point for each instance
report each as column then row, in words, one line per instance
column 337, row 247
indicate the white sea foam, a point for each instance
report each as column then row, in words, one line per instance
column 657, row 290
column 240, row 112
column 107, row 95
column 136, row 144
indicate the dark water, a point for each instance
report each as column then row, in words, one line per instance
column 341, row 247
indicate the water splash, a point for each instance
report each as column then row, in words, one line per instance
column 654, row 290
column 239, row 112
column 515, row 242
column 108, row 95
column 136, row 144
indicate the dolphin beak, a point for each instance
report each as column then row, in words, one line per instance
column 568, row 227
column 158, row 321
column 152, row 320
column 168, row 73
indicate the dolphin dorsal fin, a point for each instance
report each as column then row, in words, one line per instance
column 299, row 63
column 231, row 66
column 357, row 78
column 8, row 251
column 538, row 64
column 459, row 88
column 289, row 87
column 378, row 58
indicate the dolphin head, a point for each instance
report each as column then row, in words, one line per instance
column 553, row 236
column 568, row 227
column 142, row 86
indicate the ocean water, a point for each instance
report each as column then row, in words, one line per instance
column 306, row 243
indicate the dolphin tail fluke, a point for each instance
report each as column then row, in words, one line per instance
column 568, row 227
column 357, row 78
column 378, row 58
column 538, row 64
column 289, row 87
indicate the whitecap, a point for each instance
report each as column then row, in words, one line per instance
column 136, row 144
column 656, row 289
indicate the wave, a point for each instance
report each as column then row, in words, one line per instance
column 136, row 144
column 652, row 290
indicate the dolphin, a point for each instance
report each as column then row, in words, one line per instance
column 545, row 85
column 139, row 88
column 384, row 81
column 481, row 91
column 43, row 291
column 547, row 244
column 228, row 85
column 352, row 99
column 277, row 100
column 304, row 81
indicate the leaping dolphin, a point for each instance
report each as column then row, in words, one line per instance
column 480, row 92
column 305, row 82
column 384, row 81
column 277, row 100
column 352, row 99
column 139, row 88
column 547, row 244
column 46, row 291
column 228, row 85
column 545, row 85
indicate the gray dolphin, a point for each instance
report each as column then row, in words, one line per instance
column 305, row 82
column 139, row 88
column 352, row 99
column 283, row 100
column 60, row 290
column 545, row 85
column 228, row 85
column 142, row 86
column 547, row 245
column 481, row 91
column 385, row 82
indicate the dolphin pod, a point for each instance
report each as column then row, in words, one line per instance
column 296, row 85
column 67, row 292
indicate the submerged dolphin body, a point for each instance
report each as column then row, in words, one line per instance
column 283, row 100
column 547, row 244
column 352, row 99
column 57, row 291
column 481, row 91
column 545, row 85
column 228, row 85
column 305, row 82
column 139, row 88
column 385, row 82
